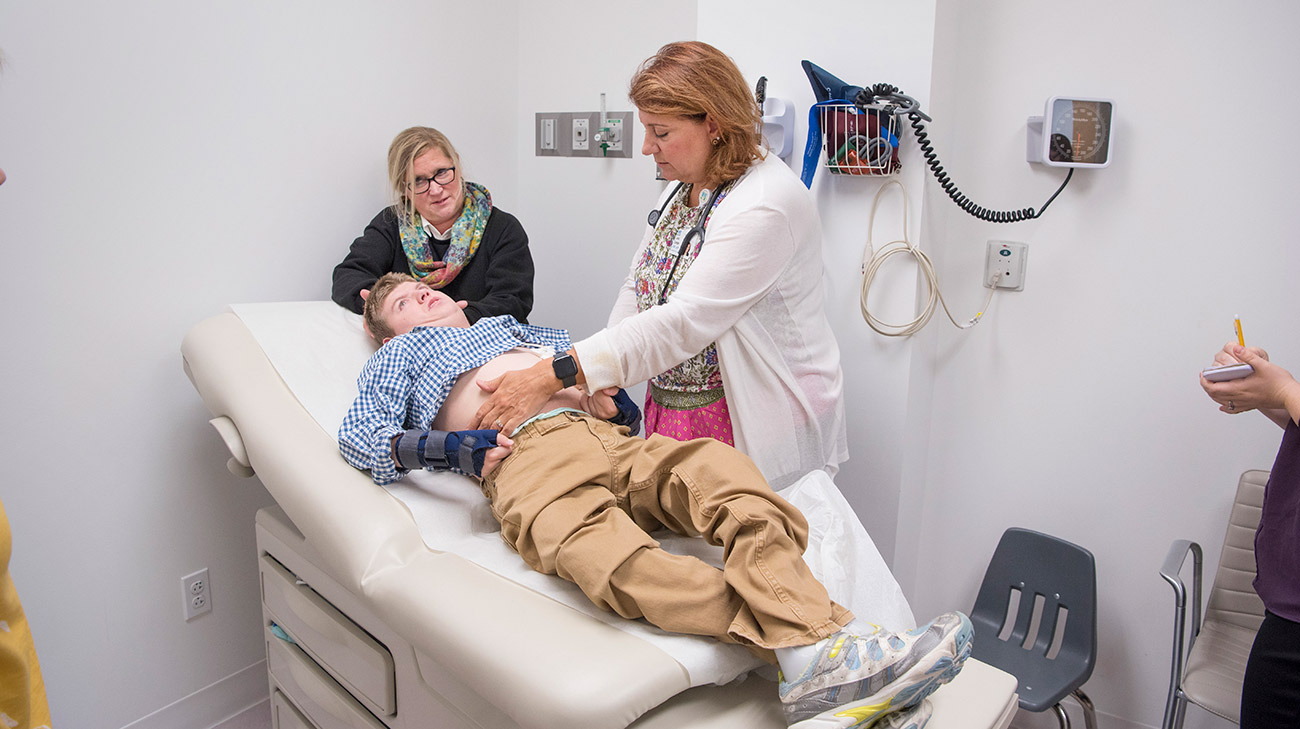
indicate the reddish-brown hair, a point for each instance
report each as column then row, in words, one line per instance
column 697, row 81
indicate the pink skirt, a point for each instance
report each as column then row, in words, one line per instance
column 707, row 421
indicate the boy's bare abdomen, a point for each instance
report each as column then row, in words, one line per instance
column 458, row 411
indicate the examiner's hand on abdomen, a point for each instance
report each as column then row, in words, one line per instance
column 516, row 396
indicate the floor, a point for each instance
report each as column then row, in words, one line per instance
column 257, row 717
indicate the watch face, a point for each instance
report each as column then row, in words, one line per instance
column 565, row 368
column 1080, row 131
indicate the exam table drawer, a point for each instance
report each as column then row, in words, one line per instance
column 284, row 715
column 324, row 703
column 340, row 646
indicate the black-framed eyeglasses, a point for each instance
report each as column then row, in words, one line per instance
column 444, row 176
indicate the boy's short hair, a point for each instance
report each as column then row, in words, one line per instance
column 373, row 311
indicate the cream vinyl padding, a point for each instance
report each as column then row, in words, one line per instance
column 540, row 662
column 1216, row 664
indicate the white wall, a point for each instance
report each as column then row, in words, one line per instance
column 1074, row 408
column 165, row 160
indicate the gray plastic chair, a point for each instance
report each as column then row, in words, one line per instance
column 1217, row 648
column 1036, row 618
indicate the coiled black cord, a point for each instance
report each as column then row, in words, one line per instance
column 897, row 103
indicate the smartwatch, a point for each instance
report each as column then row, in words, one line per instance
column 566, row 369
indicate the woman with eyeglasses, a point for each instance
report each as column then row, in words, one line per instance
column 723, row 309
column 442, row 229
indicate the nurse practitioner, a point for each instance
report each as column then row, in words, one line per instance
column 444, row 230
column 722, row 309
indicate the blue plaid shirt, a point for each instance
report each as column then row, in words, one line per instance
column 404, row 384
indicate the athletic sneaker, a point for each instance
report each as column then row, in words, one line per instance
column 914, row 718
column 856, row 679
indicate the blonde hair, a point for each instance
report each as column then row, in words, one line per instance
column 406, row 146
column 695, row 80
column 373, row 310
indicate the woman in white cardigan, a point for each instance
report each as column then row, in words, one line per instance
column 729, row 327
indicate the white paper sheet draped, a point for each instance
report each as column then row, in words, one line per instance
column 318, row 348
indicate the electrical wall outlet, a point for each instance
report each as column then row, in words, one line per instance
column 196, row 594
column 1004, row 265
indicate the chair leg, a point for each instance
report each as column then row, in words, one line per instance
column 1089, row 713
column 1171, row 711
column 1061, row 716
column 1175, row 709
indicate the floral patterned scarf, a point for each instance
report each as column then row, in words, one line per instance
column 466, row 234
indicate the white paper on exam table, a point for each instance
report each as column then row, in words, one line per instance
column 319, row 348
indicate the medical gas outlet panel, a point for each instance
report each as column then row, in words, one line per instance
column 584, row 134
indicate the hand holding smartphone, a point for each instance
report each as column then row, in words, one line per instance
column 1223, row 373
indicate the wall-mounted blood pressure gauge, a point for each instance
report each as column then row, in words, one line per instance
column 1074, row 132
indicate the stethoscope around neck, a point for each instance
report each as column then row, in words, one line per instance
column 708, row 200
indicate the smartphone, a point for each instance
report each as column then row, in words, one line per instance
column 1227, row 372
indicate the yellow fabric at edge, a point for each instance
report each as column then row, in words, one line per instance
column 22, row 690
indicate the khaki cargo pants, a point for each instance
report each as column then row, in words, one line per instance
column 577, row 496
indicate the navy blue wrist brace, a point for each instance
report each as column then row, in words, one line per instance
column 458, row 451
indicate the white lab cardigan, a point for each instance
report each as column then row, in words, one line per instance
column 756, row 290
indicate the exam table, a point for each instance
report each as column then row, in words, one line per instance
column 366, row 626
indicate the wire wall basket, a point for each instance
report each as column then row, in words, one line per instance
column 860, row 141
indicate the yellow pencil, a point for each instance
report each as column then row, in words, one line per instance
column 1240, row 339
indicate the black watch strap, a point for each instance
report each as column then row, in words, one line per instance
column 566, row 369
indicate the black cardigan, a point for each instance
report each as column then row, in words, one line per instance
column 498, row 279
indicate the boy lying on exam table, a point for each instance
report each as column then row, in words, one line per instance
column 577, row 496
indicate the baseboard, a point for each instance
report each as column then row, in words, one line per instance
column 212, row 704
